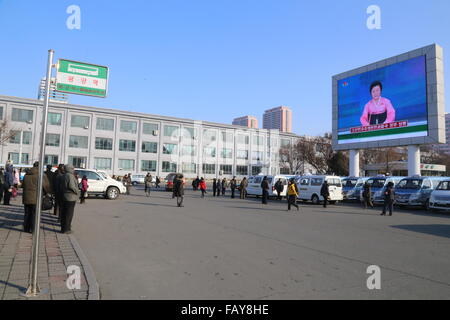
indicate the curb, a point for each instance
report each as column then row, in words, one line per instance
column 94, row 289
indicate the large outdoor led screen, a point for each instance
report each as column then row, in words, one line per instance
column 384, row 104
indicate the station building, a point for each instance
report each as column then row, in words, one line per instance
column 121, row 142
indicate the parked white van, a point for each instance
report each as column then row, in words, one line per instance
column 309, row 188
column 440, row 197
column 254, row 185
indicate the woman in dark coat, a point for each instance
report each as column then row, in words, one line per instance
column 178, row 189
column 389, row 197
column 9, row 183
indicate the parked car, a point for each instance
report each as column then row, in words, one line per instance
column 416, row 190
column 100, row 183
column 440, row 197
column 137, row 179
column 254, row 185
column 355, row 193
column 348, row 184
column 309, row 188
column 378, row 185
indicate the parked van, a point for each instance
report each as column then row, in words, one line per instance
column 348, row 184
column 254, row 185
column 377, row 186
column 416, row 190
column 355, row 193
column 309, row 188
column 440, row 197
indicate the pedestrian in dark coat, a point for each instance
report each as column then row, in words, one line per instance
column 279, row 187
column 367, row 196
column 9, row 183
column 71, row 193
column 224, row 186
column 50, row 175
column 148, row 184
column 2, row 184
column 29, row 198
column 233, row 185
column 265, row 190
column 56, row 185
column 219, row 187
column 178, row 189
column 389, row 197
column 243, row 188
column 325, row 193
column 214, row 187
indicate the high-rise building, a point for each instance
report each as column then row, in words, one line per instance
column 54, row 95
column 247, row 121
column 278, row 118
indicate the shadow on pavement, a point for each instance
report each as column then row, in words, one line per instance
column 440, row 230
column 9, row 284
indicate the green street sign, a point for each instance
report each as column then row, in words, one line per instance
column 82, row 78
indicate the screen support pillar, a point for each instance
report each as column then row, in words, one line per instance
column 354, row 163
column 413, row 160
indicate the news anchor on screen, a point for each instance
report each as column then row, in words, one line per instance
column 379, row 110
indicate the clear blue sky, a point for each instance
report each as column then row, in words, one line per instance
column 215, row 59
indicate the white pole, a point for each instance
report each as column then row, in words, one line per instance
column 354, row 163
column 413, row 160
column 33, row 288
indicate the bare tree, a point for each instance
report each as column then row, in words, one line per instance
column 5, row 132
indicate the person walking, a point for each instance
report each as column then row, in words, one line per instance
column 127, row 183
column 214, row 187
column 148, row 184
column 202, row 185
column 2, row 184
column 178, row 189
column 30, row 193
column 224, row 186
column 71, row 193
column 59, row 196
column 84, row 189
column 219, row 187
column 367, row 196
column 9, row 183
column 243, row 188
column 292, row 193
column 389, row 197
column 325, row 193
column 265, row 190
column 279, row 187
column 233, row 185
column 158, row 181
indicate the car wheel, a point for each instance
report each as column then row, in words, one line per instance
column 315, row 199
column 112, row 193
column 427, row 205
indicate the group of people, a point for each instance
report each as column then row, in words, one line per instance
column 389, row 198
column 220, row 186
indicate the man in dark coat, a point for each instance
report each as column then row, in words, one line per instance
column 243, row 188
column 367, row 196
column 265, row 190
column 233, row 185
column 9, row 183
column 224, row 186
column 59, row 196
column 50, row 175
column 2, row 184
column 178, row 189
column 325, row 193
column 389, row 197
column 71, row 193
column 214, row 187
column 279, row 187
column 30, row 193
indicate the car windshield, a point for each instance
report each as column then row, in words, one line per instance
column 334, row 182
column 443, row 185
column 376, row 183
column 104, row 175
column 349, row 183
column 410, row 184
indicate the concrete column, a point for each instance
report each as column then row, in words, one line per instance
column 354, row 163
column 413, row 160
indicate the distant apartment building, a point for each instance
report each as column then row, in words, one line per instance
column 445, row 148
column 278, row 118
column 247, row 121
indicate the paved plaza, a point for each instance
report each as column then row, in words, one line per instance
column 222, row 248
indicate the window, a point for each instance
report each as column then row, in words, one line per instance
column 304, row 182
column 14, row 157
column 189, row 167
column 258, row 140
column 316, row 181
column 170, row 148
column 285, row 143
column 189, row 133
column 15, row 137
column 78, row 162
column 426, row 184
column 105, row 124
column 226, row 169
column 22, row 115
column 227, row 153
column 242, row 154
column 149, row 147
column 285, row 171
column 257, row 155
column 189, row 151
column 103, row 144
column 148, row 128
column 227, row 137
column 102, row 163
column 148, row 165
column 91, row 175
column 242, row 139
column 128, row 126
column 209, row 152
column 54, row 119
column 242, row 170
column 51, row 159
column 209, row 168
column 52, row 140
column 256, row 170
column 127, row 145
column 209, row 135
column 25, row 158
column 169, row 166
column 170, row 131
column 78, row 142
column 79, row 121
column 1, row 113
column 126, row 164
column 26, row 137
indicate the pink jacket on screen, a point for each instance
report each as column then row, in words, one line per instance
column 371, row 108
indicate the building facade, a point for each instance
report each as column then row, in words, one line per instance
column 121, row 142
column 445, row 147
column 278, row 118
column 246, row 121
